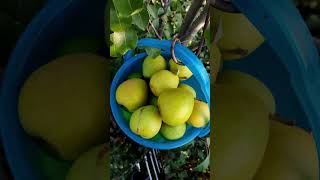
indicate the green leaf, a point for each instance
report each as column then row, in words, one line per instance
column 160, row 11
column 174, row 5
column 122, row 42
column 156, row 23
column 203, row 165
column 141, row 19
column 153, row 52
column 183, row 175
column 128, row 7
column 168, row 30
column 118, row 23
column 178, row 19
column 153, row 10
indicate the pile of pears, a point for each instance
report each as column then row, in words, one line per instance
column 154, row 101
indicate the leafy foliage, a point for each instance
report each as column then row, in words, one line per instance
column 143, row 18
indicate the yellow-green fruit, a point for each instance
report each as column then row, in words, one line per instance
column 238, row 36
column 163, row 80
column 64, row 103
column 291, row 154
column 241, row 136
column 146, row 121
column 132, row 94
column 152, row 65
column 200, row 115
column 173, row 132
column 90, row 165
column 251, row 84
column 183, row 72
column 188, row 88
column 175, row 106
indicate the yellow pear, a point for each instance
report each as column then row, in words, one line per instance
column 237, row 37
column 251, row 84
column 163, row 80
column 200, row 115
column 146, row 121
column 90, row 165
column 152, row 65
column 241, row 130
column 188, row 88
column 291, row 154
column 182, row 71
column 132, row 94
column 175, row 106
column 64, row 103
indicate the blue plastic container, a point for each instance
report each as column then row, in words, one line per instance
column 59, row 20
column 199, row 81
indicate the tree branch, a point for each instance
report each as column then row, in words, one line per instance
column 195, row 27
column 191, row 14
column 202, row 41
column 155, row 30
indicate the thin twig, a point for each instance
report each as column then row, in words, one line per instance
column 155, row 30
column 202, row 41
column 191, row 14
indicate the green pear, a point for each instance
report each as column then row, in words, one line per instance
column 146, row 121
column 173, row 132
column 188, row 88
column 163, row 80
column 241, row 134
column 152, row 65
column 132, row 94
column 200, row 114
column 64, row 103
column 291, row 154
column 183, row 72
column 90, row 165
column 238, row 37
column 135, row 75
column 175, row 106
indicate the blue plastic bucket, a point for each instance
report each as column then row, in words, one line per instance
column 199, row 81
column 58, row 21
